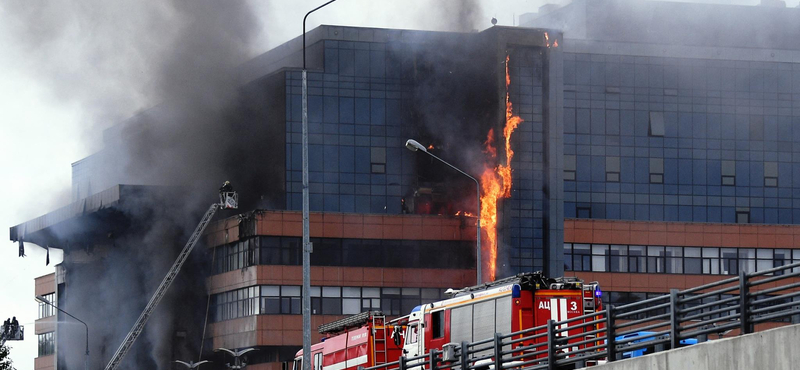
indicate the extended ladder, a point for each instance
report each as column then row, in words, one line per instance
column 380, row 354
column 227, row 201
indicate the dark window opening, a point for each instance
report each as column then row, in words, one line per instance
column 656, row 178
column 728, row 180
column 584, row 212
column 437, row 324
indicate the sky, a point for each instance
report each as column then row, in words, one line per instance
column 43, row 130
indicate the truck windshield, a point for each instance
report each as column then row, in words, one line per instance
column 412, row 333
column 298, row 364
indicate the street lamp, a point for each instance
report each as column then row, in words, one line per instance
column 237, row 363
column 306, row 237
column 191, row 364
column 415, row 146
column 45, row 301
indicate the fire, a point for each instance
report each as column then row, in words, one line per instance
column 430, row 146
column 496, row 181
column 489, row 144
column 465, row 214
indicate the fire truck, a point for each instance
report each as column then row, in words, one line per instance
column 359, row 340
column 504, row 306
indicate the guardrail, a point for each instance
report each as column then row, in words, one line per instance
column 670, row 321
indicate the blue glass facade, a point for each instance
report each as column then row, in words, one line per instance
column 525, row 210
column 370, row 97
column 357, row 131
column 697, row 140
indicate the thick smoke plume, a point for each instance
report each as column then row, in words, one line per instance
column 172, row 66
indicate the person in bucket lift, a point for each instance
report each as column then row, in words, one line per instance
column 226, row 187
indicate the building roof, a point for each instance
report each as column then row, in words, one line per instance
column 673, row 23
column 98, row 215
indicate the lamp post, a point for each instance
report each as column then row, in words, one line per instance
column 306, row 238
column 45, row 301
column 237, row 362
column 414, row 146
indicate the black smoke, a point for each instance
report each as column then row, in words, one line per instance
column 172, row 67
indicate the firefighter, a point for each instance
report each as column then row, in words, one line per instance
column 226, row 187
column 14, row 326
column 6, row 327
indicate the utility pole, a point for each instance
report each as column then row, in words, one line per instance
column 307, row 247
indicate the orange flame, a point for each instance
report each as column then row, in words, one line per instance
column 430, row 146
column 496, row 181
column 489, row 144
column 465, row 214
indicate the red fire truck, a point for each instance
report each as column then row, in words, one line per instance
column 359, row 340
column 508, row 305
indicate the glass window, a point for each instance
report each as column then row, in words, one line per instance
column 351, row 292
column 742, row 217
column 351, row 306
column 730, row 263
column 728, row 170
column 656, row 124
column 636, row 259
column 618, row 258
column 371, row 292
column 747, row 259
column 612, row 169
column 46, row 344
column 655, row 259
column 290, row 291
column 693, row 265
column 711, row 261
column 331, row 292
column 656, row 170
column 47, row 310
column 673, row 261
column 599, row 257
column 771, row 174
column 581, row 260
column 569, row 167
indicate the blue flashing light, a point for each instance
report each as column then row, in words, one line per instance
column 515, row 291
column 416, row 309
column 598, row 293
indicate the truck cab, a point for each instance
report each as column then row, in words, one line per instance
column 414, row 343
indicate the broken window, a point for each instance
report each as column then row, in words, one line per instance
column 569, row 167
column 612, row 169
column 378, row 160
column 656, row 124
column 771, row 174
column 728, row 170
column 656, row 170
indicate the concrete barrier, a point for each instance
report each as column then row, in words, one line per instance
column 775, row 349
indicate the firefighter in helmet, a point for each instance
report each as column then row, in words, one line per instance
column 226, row 187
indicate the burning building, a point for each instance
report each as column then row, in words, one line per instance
column 648, row 147
column 390, row 228
column 680, row 141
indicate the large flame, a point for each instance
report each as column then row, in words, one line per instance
column 496, row 181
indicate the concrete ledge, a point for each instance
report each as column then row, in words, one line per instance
column 774, row 349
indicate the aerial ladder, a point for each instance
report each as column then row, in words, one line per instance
column 228, row 199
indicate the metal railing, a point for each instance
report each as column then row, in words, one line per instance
column 674, row 320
